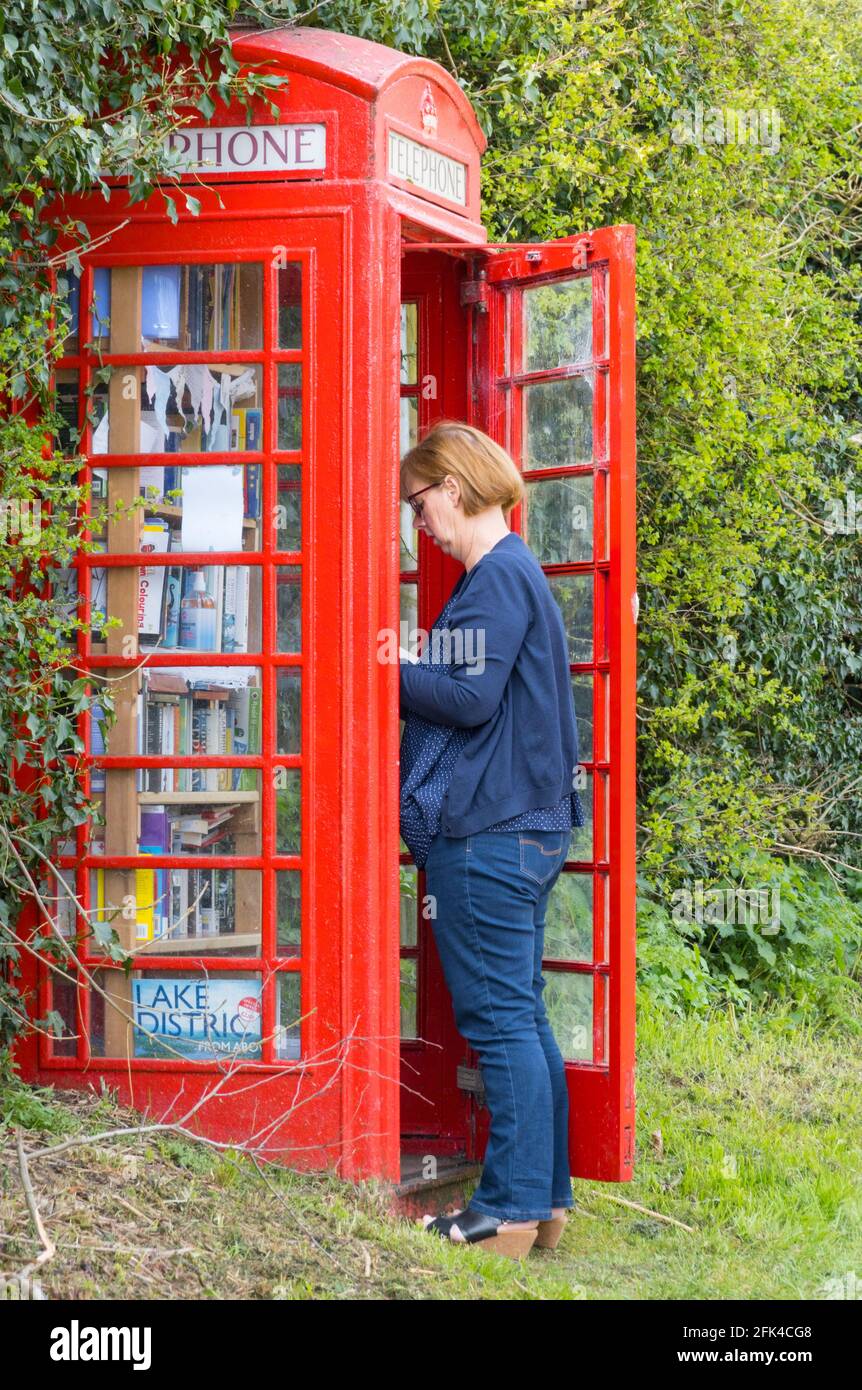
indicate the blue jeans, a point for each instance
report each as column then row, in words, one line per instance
column 489, row 893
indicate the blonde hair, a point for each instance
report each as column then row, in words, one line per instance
column 487, row 474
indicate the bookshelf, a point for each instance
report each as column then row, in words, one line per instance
column 122, row 536
column 196, row 798
column 173, row 409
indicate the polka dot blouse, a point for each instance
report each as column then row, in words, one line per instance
column 429, row 753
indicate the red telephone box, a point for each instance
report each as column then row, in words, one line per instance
column 271, row 357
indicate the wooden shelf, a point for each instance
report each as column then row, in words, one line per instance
column 193, row 798
column 175, row 513
column 202, row 945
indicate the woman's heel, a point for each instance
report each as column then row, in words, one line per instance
column 549, row 1233
column 513, row 1244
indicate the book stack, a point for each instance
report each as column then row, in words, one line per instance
column 181, row 717
column 207, row 300
column 211, row 296
column 170, row 609
column 178, row 903
column 187, row 829
column 245, row 431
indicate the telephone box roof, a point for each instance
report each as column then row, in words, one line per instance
column 357, row 65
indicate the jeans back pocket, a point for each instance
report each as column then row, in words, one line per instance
column 540, row 858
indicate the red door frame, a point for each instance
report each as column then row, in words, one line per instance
column 601, row 1091
column 434, row 1112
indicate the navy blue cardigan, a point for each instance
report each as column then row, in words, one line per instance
column 510, row 683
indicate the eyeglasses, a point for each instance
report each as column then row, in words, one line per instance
column 419, row 506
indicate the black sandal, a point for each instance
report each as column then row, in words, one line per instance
column 492, row 1232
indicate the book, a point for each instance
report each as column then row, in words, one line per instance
column 253, row 421
column 234, row 628
column 145, row 901
column 173, row 600
column 155, row 537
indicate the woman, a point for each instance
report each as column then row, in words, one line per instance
column 488, row 755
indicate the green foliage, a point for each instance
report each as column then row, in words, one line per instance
column 748, row 389
column 69, row 118
column 749, row 281
column 771, row 933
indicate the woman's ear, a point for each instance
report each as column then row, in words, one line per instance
column 452, row 488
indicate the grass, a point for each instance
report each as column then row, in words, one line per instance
column 747, row 1132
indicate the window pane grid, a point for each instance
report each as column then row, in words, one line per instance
column 225, row 875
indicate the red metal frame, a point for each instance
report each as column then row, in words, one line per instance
column 350, row 225
column 434, row 1112
column 601, row 1092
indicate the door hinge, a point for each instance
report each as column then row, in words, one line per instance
column 475, row 291
column 470, row 1079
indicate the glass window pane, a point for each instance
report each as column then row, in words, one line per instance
column 559, row 519
column 64, row 1001
column 189, row 1017
column 603, row 391
column 603, row 790
column 288, row 710
column 194, row 307
column 409, row 616
column 582, row 692
column 290, row 305
column 288, row 514
column 409, row 877
column 558, row 324
column 409, row 999
column 288, row 1014
column 65, row 601
column 288, row 892
column 58, row 895
column 176, row 609
column 289, row 405
column 569, row 1003
column 185, row 509
column 66, row 404
column 100, row 307
column 409, row 422
column 220, row 818
column 182, row 711
column 190, row 307
column 409, row 551
column 582, row 835
column 184, row 911
column 69, row 292
column 190, row 407
column 569, row 923
column 574, row 594
column 409, row 347
column 288, row 590
column 558, row 422
column 288, row 810
column 603, row 486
